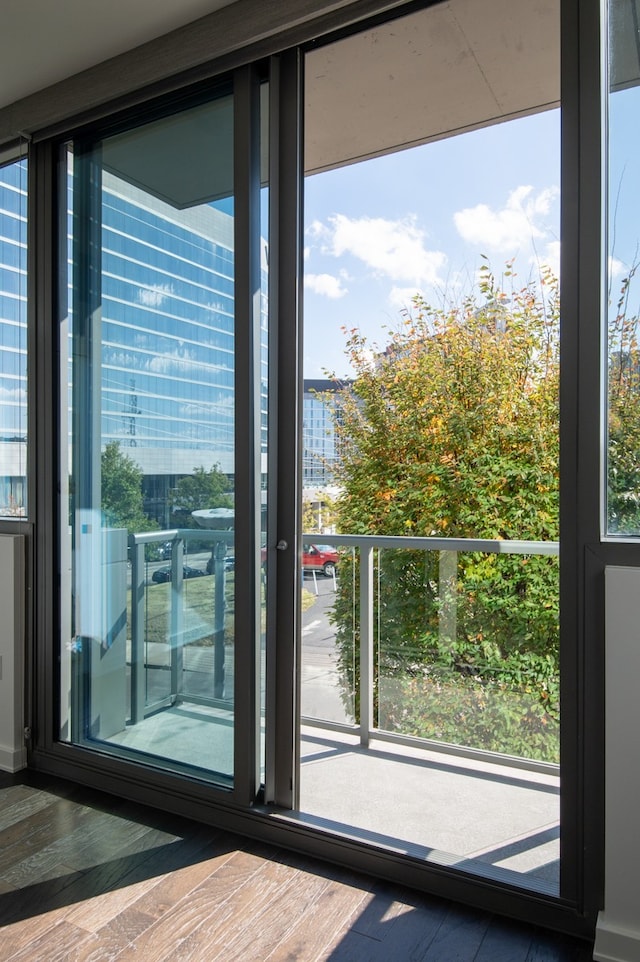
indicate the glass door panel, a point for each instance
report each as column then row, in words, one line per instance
column 148, row 623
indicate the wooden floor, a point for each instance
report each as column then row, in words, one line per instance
column 87, row 878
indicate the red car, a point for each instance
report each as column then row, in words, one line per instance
column 319, row 557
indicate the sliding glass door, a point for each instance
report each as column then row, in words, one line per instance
column 155, row 348
column 310, row 579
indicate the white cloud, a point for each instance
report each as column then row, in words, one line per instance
column 190, row 411
column 219, row 307
column 512, row 227
column 401, row 298
column 154, row 296
column 180, row 362
column 325, row 284
column 392, row 247
column 317, row 229
column 616, row 267
column 550, row 258
column 13, row 394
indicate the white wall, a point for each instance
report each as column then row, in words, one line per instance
column 12, row 608
column 618, row 928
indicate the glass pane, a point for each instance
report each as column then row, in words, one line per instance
column 430, row 665
column 623, row 463
column 264, row 408
column 463, row 658
column 150, row 461
column 13, row 340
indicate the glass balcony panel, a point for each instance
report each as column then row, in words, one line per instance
column 329, row 642
column 467, row 650
column 180, row 653
column 449, row 656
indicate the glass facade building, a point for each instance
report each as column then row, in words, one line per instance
column 167, row 312
column 319, row 443
column 168, row 339
column 13, row 338
column 168, row 344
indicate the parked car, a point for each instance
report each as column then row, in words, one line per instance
column 229, row 564
column 315, row 557
column 162, row 575
column 319, row 557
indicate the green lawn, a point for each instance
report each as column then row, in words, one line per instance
column 198, row 609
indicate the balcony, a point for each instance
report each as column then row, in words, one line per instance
column 379, row 756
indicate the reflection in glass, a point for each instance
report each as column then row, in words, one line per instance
column 148, row 669
column 13, row 339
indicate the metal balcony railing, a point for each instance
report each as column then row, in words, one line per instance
column 179, row 539
column 448, row 550
column 365, row 548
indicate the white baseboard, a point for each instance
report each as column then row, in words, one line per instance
column 614, row 944
column 12, row 760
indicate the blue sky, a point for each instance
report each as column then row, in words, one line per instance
column 624, row 184
column 419, row 220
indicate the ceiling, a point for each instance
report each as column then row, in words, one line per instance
column 432, row 73
column 44, row 41
column 448, row 68
column 456, row 65
column 453, row 66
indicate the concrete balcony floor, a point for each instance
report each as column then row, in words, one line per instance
column 485, row 818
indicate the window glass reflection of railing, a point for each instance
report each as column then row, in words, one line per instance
column 449, row 643
column 177, row 630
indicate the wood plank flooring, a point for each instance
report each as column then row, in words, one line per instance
column 85, row 877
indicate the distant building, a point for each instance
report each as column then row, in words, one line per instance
column 13, row 338
column 320, row 450
column 167, row 330
column 167, row 391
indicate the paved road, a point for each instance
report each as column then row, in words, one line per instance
column 321, row 693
